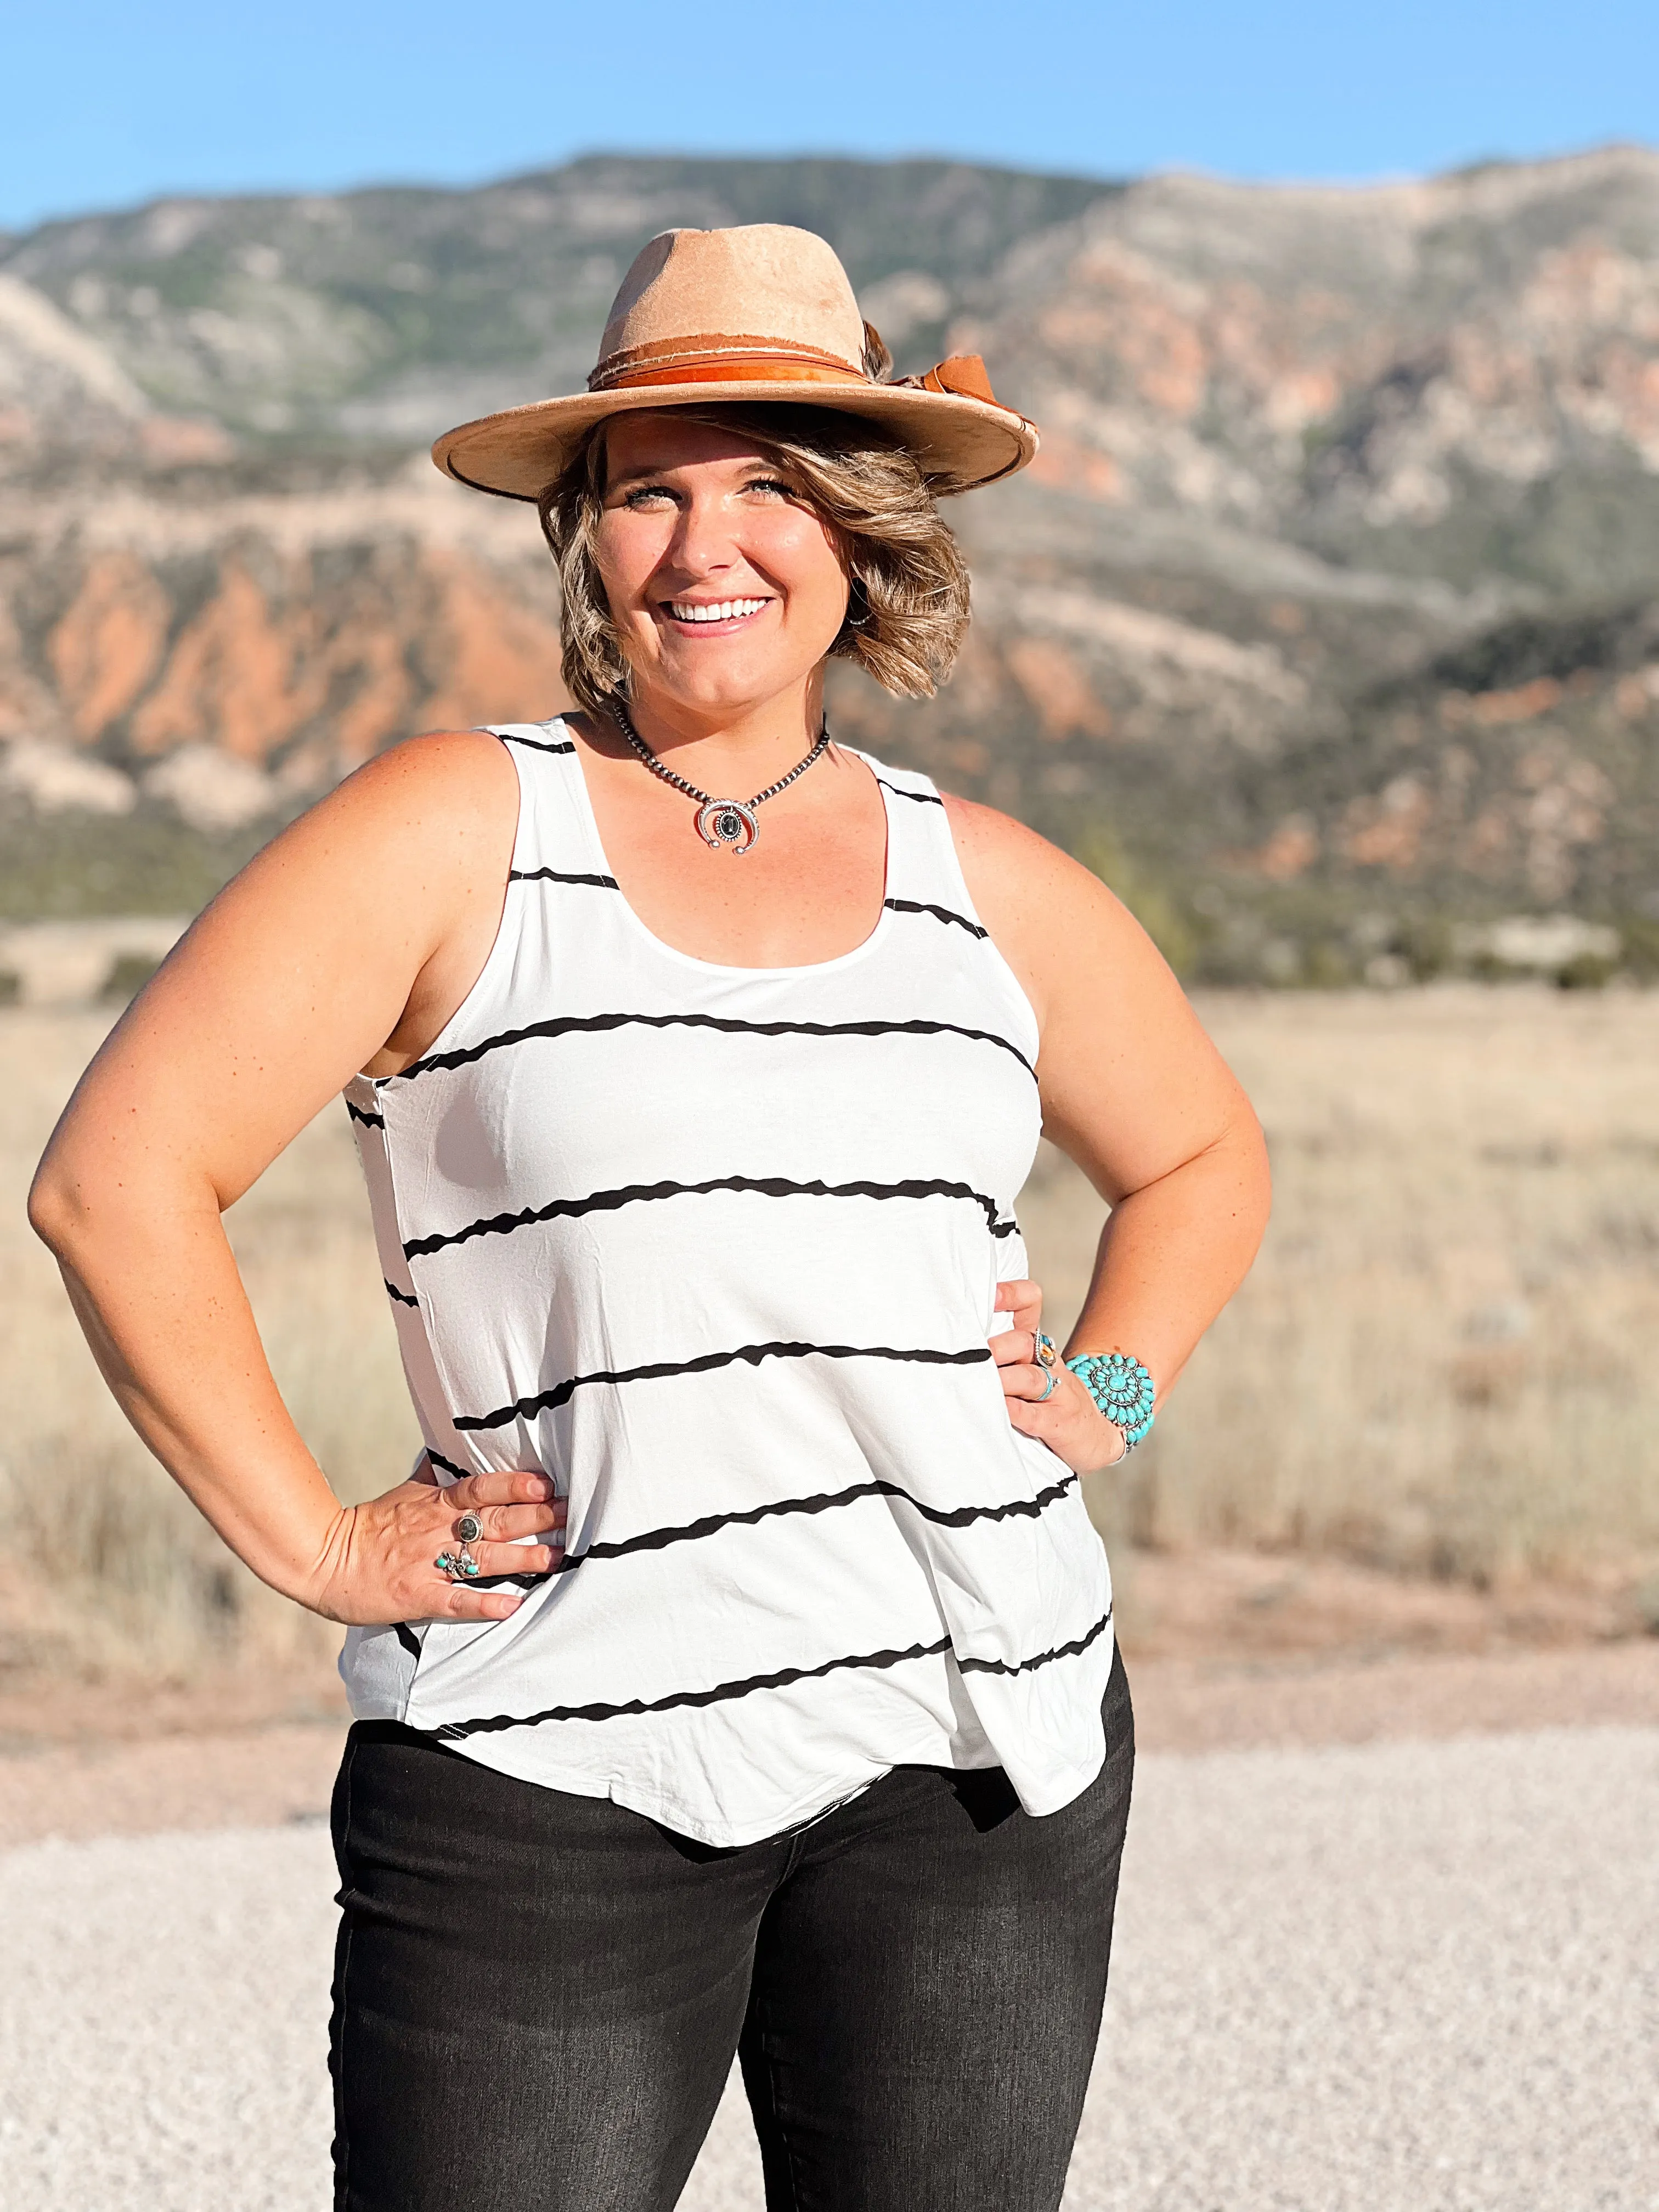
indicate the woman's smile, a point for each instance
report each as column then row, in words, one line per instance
column 715, row 617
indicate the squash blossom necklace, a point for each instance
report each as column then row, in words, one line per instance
column 726, row 826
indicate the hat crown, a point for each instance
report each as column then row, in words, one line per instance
column 693, row 291
column 761, row 315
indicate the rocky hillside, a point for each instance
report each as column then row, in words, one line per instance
column 384, row 317
column 1327, row 624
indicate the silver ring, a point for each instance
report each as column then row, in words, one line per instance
column 469, row 1528
column 459, row 1566
column 1045, row 1351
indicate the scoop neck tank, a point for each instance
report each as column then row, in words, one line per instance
column 717, row 1249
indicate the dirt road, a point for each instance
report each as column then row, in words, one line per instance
column 1394, row 1976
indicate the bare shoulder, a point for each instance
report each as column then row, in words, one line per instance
column 430, row 811
column 344, row 944
column 1130, row 1083
column 377, row 904
column 1011, row 859
column 1048, row 914
column 438, row 782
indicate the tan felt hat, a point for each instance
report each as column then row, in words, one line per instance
column 761, row 312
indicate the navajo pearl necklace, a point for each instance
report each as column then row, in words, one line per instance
column 723, row 824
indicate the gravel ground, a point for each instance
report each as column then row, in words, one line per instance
column 1394, row 1978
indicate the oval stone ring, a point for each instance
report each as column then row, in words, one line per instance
column 469, row 1528
column 1046, row 1350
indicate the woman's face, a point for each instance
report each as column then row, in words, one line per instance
column 726, row 589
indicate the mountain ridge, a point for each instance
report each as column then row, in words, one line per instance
column 1329, row 474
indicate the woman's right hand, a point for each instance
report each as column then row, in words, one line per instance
column 379, row 1563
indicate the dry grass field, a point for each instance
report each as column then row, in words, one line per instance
column 1443, row 1361
column 1440, row 1380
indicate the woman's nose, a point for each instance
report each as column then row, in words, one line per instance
column 703, row 543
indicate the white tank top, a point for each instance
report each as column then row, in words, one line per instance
column 716, row 1249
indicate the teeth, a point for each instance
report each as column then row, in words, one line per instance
column 722, row 610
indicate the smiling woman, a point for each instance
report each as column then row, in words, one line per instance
column 840, row 511
column 902, row 590
column 736, row 1673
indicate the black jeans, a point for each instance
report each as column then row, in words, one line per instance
column 537, row 1997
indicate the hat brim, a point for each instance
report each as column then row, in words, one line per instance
column 961, row 442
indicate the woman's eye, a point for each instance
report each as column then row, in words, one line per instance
column 772, row 484
column 647, row 495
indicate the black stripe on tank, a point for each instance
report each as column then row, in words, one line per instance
column 402, row 1297
column 452, row 1731
column 586, row 1025
column 784, row 1679
column 635, row 1194
column 1042, row 1658
column 705, row 1363
column 939, row 913
column 463, row 1473
column 557, row 876
column 922, row 797
column 536, row 744
column 406, row 1636
column 368, row 1120
column 956, row 1516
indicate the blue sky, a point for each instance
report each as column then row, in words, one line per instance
column 106, row 105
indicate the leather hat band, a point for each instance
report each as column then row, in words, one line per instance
column 963, row 375
column 628, row 366
column 729, row 368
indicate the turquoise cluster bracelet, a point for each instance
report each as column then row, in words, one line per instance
column 1122, row 1388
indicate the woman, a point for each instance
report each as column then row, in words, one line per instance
column 736, row 1673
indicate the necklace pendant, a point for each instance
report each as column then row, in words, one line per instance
column 727, row 826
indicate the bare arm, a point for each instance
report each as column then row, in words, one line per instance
column 345, row 945
column 1134, row 1092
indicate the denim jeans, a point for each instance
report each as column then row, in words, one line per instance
column 537, row 1997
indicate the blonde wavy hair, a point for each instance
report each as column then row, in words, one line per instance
column 908, row 608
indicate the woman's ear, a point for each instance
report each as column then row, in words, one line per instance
column 854, row 622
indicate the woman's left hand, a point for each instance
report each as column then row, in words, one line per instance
column 1066, row 1418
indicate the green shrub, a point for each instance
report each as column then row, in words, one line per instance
column 1586, row 971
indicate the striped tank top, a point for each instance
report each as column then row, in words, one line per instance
column 716, row 1249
